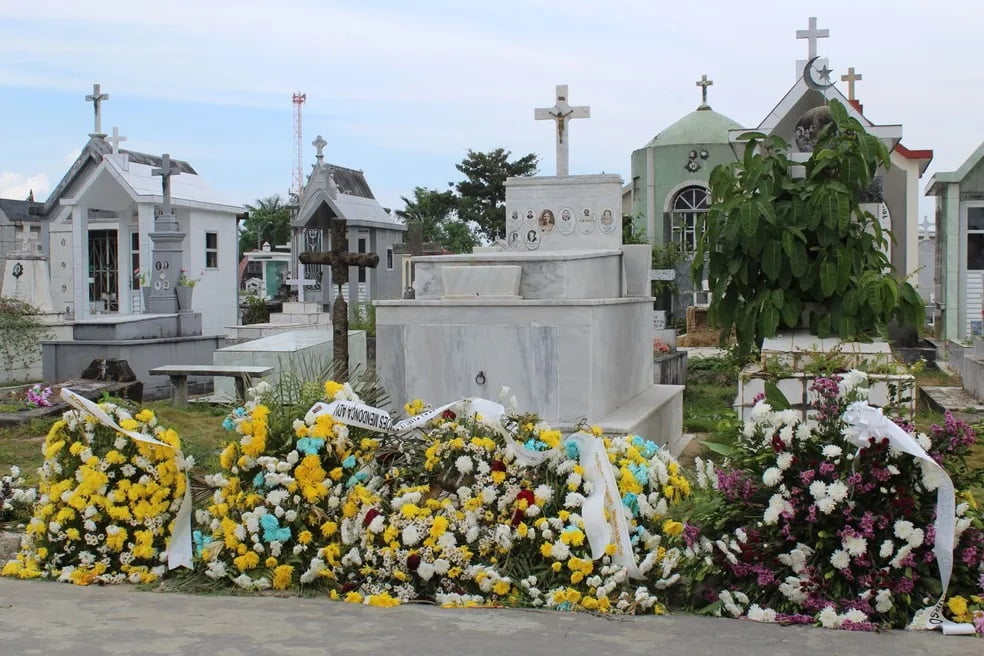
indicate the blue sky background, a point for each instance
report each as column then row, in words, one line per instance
column 403, row 89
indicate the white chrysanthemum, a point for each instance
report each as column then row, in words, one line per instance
column 832, row 451
column 559, row 551
column 840, row 559
column 854, row 545
column 777, row 505
column 903, row 529
column 826, row 505
column 886, row 549
column 792, row 589
column 441, row 566
column 378, row 524
column 818, row 489
column 772, row 476
column 761, row 412
column 883, row 601
column 923, row 440
column 855, row 615
column 425, row 571
column 829, row 618
column 543, row 494
column 784, row 460
column 759, row 614
column 410, row 535
column 837, row 491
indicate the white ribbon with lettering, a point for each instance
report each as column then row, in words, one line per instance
column 179, row 548
column 867, row 422
column 604, row 497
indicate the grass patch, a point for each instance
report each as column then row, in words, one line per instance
column 707, row 405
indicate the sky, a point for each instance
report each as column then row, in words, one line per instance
column 402, row 90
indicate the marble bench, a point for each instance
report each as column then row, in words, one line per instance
column 179, row 377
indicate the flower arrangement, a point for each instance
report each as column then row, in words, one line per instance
column 106, row 502
column 450, row 514
column 186, row 281
column 660, row 347
column 142, row 277
column 800, row 526
column 38, row 396
column 13, row 497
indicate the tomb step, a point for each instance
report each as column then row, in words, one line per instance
column 260, row 330
column 656, row 414
column 954, row 399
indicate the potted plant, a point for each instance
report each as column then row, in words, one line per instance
column 184, row 290
column 143, row 281
column 775, row 245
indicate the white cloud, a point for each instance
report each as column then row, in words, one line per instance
column 17, row 185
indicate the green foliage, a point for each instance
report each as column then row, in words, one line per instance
column 666, row 256
column 256, row 310
column 482, row 194
column 363, row 318
column 631, row 234
column 774, row 245
column 437, row 213
column 269, row 220
column 21, row 330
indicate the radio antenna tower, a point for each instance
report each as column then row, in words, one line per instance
column 298, row 181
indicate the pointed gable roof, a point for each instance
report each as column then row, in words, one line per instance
column 941, row 178
column 339, row 192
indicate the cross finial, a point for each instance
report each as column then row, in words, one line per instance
column 812, row 35
column 96, row 97
column 850, row 78
column 704, row 83
column 319, row 145
column 561, row 112
column 166, row 170
column 115, row 140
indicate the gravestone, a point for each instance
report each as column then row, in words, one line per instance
column 340, row 259
column 167, row 254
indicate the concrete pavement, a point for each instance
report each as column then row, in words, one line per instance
column 56, row 618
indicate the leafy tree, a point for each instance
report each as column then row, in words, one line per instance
column 437, row 213
column 777, row 246
column 269, row 220
column 482, row 194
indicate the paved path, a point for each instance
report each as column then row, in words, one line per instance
column 57, row 618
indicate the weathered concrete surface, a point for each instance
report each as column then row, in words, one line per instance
column 55, row 618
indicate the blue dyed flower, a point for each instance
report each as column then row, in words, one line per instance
column 258, row 480
column 239, row 412
column 570, row 448
column 631, row 501
column 534, row 444
column 356, row 478
column 349, row 462
column 310, row 446
column 228, row 424
column 272, row 531
column 199, row 539
column 640, row 473
column 647, row 448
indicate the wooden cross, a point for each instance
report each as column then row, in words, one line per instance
column 166, row 170
column 704, row 82
column 340, row 259
column 812, row 35
column 115, row 140
column 561, row 112
column 95, row 98
column 850, row 78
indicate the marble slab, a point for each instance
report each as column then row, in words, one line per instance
column 304, row 352
column 481, row 281
column 560, row 275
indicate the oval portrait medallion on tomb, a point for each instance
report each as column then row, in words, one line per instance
column 530, row 218
column 566, row 223
column 547, row 221
column 514, row 222
column 513, row 242
column 607, row 222
column 586, row 222
column 532, row 239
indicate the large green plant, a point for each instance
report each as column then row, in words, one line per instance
column 775, row 246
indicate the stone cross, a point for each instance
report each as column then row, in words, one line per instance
column 561, row 112
column 812, row 35
column 301, row 282
column 166, row 170
column 850, row 78
column 340, row 259
column 319, row 144
column 115, row 140
column 704, row 82
column 96, row 97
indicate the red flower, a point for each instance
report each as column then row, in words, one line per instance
column 371, row 515
column 447, row 414
column 526, row 495
column 517, row 517
column 413, row 562
column 349, row 587
column 498, row 466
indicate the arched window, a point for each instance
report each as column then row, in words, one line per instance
column 687, row 214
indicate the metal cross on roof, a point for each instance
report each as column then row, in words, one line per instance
column 166, row 170
column 96, row 97
column 850, row 78
column 704, row 83
column 115, row 140
column 561, row 112
column 319, row 145
column 812, row 35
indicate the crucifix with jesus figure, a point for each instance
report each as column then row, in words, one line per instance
column 340, row 259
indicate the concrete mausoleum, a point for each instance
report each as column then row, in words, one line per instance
column 560, row 313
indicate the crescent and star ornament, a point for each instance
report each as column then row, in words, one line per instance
column 824, row 74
